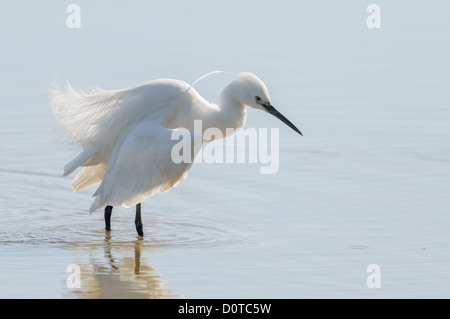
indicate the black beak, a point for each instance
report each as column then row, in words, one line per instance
column 280, row 116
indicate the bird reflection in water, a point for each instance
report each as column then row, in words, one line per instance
column 118, row 276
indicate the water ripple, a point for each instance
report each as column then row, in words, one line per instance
column 176, row 231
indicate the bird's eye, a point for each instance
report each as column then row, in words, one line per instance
column 258, row 99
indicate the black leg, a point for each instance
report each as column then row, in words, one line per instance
column 138, row 221
column 108, row 212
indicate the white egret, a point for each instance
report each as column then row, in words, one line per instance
column 125, row 134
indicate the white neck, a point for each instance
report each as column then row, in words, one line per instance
column 232, row 113
column 228, row 115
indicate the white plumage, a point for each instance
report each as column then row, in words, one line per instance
column 125, row 135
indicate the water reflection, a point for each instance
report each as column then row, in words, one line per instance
column 116, row 270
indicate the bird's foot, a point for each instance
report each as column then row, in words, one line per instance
column 139, row 229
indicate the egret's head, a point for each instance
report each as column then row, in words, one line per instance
column 253, row 92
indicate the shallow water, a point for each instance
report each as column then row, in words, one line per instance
column 367, row 184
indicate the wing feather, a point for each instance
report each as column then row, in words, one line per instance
column 141, row 165
column 97, row 120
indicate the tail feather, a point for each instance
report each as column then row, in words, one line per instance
column 79, row 160
column 96, row 204
column 89, row 176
